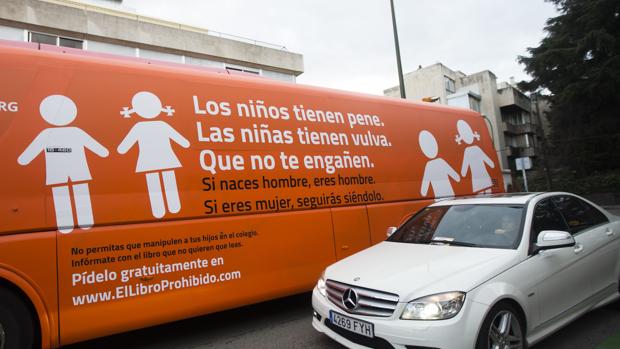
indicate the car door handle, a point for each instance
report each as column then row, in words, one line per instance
column 609, row 232
column 578, row 248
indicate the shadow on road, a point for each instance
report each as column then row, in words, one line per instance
column 282, row 323
column 286, row 323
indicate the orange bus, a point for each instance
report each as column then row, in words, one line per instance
column 135, row 193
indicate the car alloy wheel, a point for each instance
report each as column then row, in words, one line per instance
column 505, row 331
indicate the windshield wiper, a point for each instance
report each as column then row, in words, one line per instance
column 449, row 241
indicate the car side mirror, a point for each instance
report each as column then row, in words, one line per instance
column 391, row 231
column 551, row 239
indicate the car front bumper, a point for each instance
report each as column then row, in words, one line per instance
column 459, row 332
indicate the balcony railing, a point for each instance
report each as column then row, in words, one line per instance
column 511, row 97
column 519, row 152
column 521, row 128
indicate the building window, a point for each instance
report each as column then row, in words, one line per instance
column 73, row 43
column 43, row 38
column 510, row 141
column 243, row 69
column 55, row 40
column 516, row 119
column 449, row 84
column 474, row 104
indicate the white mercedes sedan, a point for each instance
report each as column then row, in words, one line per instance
column 498, row 272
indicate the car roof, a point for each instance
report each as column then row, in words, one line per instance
column 498, row 199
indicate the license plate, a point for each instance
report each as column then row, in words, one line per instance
column 354, row 325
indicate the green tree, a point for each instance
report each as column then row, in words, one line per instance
column 577, row 65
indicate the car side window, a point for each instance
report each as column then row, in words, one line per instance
column 578, row 214
column 596, row 216
column 546, row 217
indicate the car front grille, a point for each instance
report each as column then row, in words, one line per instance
column 369, row 302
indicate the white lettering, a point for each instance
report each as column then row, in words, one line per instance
column 211, row 162
column 10, row 107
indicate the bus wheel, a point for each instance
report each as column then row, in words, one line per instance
column 16, row 322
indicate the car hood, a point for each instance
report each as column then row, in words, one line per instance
column 416, row 270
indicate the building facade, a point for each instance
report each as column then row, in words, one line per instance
column 508, row 113
column 109, row 27
column 522, row 124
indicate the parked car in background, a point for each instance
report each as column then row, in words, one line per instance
column 502, row 271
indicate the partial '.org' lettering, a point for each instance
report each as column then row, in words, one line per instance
column 10, row 107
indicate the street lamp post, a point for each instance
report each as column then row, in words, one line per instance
column 400, row 68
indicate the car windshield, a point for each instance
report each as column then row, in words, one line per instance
column 495, row 226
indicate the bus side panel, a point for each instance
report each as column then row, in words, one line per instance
column 22, row 207
column 351, row 232
column 117, row 278
column 382, row 216
column 29, row 261
column 205, row 140
column 99, row 148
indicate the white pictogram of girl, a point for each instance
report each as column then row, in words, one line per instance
column 437, row 172
column 156, row 157
column 475, row 159
column 65, row 162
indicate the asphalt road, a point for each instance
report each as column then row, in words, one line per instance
column 285, row 323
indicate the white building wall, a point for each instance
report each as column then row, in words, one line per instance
column 203, row 62
column 9, row 33
column 160, row 56
column 105, row 47
column 461, row 100
column 278, row 76
column 113, row 29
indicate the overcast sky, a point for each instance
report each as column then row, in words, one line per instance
column 349, row 45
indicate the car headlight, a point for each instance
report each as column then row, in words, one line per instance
column 434, row 307
column 320, row 285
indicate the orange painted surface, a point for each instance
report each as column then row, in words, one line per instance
column 136, row 169
column 275, row 255
column 351, row 232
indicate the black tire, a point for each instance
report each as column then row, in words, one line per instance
column 502, row 326
column 17, row 326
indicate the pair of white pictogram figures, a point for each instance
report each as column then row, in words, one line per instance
column 437, row 172
column 67, row 170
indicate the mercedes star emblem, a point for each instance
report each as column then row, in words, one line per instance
column 350, row 299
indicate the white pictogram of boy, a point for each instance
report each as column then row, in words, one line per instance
column 156, row 157
column 437, row 172
column 475, row 159
column 65, row 161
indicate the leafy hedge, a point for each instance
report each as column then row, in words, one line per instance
column 569, row 181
